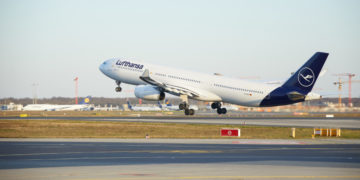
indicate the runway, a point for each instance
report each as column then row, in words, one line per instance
column 161, row 159
column 346, row 123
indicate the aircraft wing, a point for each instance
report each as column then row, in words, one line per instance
column 191, row 92
column 168, row 87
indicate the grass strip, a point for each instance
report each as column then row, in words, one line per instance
column 102, row 129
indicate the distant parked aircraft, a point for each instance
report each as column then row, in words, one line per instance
column 83, row 106
column 143, row 108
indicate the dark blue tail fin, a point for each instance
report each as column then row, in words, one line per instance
column 167, row 102
column 304, row 79
column 160, row 106
column 299, row 84
column 129, row 105
column 86, row 100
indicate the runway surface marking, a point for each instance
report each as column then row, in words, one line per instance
column 145, row 176
column 228, row 177
column 141, row 151
column 157, row 161
column 193, row 151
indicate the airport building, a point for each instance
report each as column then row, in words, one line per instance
column 11, row 107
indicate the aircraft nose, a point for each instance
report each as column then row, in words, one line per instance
column 102, row 66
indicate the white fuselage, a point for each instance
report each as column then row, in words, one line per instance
column 213, row 87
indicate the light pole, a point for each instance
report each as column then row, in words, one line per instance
column 35, row 85
column 76, row 89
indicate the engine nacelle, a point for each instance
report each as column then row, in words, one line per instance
column 149, row 92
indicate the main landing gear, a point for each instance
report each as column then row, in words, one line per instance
column 185, row 106
column 217, row 106
column 118, row 88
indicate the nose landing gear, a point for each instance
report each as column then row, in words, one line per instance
column 118, row 89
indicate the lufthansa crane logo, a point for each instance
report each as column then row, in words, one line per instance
column 306, row 77
column 87, row 100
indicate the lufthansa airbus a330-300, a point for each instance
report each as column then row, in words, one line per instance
column 153, row 81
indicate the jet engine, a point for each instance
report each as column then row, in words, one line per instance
column 149, row 92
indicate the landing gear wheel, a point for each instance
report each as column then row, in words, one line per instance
column 221, row 110
column 118, row 89
column 187, row 112
column 192, row 112
column 216, row 105
column 183, row 106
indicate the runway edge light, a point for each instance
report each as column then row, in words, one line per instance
column 293, row 132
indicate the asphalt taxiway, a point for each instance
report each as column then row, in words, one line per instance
column 347, row 123
column 162, row 159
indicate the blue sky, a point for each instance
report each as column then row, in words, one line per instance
column 52, row 42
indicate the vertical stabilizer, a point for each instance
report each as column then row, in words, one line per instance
column 303, row 79
column 86, row 100
column 129, row 105
column 296, row 88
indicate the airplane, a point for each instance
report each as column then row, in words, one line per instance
column 40, row 107
column 84, row 105
column 143, row 108
column 153, row 81
column 104, row 108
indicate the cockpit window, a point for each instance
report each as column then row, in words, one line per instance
column 104, row 63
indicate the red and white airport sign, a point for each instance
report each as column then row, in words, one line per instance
column 230, row 132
